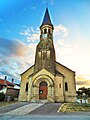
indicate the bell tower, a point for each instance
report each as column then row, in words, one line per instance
column 46, row 27
column 45, row 52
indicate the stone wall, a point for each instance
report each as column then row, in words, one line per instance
column 23, row 95
column 59, row 89
column 69, row 77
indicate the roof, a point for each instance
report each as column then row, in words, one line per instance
column 65, row 67
column 27, row 70
column 46, row 20
column 16, row 84
column 58, row 73
column 5, row 82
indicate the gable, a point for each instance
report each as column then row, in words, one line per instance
column 43, row 72
column 29, row 71
column 63, row 69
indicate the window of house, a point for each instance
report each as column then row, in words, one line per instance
column 26, row 87
column 66, row 86
column 45, row 31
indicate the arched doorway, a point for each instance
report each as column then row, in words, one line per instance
column 43, row 90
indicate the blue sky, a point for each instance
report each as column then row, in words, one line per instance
column 19, row 35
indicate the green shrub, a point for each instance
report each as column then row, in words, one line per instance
column 2, row 96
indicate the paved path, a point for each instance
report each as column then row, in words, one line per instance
column 47, row 109
column 20, row 108
column 12, row 107
column 38, row 111
column 25, row 109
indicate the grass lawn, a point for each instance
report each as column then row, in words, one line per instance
column 5, row 103
column 75, row 107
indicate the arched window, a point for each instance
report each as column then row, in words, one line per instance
column 66, row 86
column 43, row 55
column 59, row 85
column 49, row 31
column 45, row 31
column 26, row 87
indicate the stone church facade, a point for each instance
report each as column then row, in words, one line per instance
column 47, row 79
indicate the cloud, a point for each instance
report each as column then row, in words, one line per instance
column 60, row 29
column 33, row 7
column 30, row 34
column 83, row 81
column 27, row 61
column 26, row 32
column 11, row 51
column 62, row 47
column 33, row 37
column 12, row 47
column 51, row 2
column 15, row 57
column 11, row 74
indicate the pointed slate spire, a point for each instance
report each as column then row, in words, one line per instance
column 46, row 20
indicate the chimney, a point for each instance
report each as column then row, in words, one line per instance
column 12, row 80
column 5, row 80
column 5, row 77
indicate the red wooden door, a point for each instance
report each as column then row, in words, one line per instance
column 43, row 90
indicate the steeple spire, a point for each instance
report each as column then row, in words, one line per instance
column 46, row 20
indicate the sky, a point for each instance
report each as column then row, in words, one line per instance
column 19, row 34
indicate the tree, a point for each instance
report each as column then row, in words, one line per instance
column 84, row 90
column 79, row 93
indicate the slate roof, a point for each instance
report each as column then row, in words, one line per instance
column 46, row 20
column 2, row 82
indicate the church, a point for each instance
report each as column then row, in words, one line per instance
column 47, row 79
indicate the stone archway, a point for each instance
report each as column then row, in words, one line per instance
column 36, row 87
column 43, row 90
